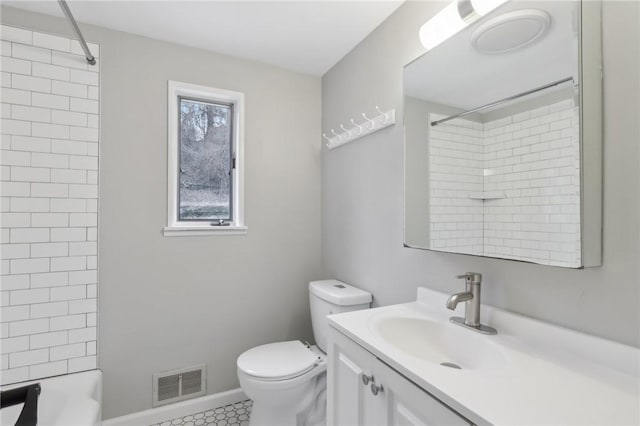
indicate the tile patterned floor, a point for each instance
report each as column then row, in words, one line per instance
column 236, row 414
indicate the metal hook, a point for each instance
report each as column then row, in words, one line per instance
column 333, row 131
column 386, row 117
column 347, row 134
column 370, row 121
column 357, row 126
column 326, row 137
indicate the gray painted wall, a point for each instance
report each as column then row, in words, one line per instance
column 416, row 176
column 362, row 187
column 172, row 302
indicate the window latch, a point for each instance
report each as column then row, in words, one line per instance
column 233, row 165
column 220, row 222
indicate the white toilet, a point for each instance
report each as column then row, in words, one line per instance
column 287, row 381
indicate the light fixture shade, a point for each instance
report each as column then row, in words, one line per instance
column 448, row 21
column 442, row 26
column 483, row 7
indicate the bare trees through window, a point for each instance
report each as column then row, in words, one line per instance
column 206, row 160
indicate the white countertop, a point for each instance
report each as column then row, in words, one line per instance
column 548, row 375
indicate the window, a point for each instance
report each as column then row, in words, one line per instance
column 206, row 161
column 205, row 191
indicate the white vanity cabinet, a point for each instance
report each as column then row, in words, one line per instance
column 399, row 402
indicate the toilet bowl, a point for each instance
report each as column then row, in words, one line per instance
column 282, row 395
column 287, row 381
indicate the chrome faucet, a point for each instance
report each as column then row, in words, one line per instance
column 471, row 297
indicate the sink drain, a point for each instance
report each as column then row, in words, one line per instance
column 451, row 365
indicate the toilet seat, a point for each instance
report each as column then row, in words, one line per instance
column 277, row 361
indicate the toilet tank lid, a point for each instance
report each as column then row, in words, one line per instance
column 339, row 293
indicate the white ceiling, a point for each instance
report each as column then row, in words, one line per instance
column 456, row 75
column 302, row 35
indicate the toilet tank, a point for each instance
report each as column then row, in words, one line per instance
column 328, row 297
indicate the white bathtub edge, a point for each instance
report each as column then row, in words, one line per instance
column 77, row 400
column 178, row 409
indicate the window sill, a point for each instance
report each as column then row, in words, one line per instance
column 194, row 231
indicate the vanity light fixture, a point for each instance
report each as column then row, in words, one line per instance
column 456, row 16
column 483, row 7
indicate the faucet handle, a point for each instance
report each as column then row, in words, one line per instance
column 472, row 277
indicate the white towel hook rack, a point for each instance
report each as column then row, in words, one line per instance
column 370, row 125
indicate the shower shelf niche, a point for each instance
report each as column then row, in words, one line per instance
column 487, row 196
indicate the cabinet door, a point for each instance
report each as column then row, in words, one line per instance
column 349, row 401
column 409, row 405
column 397, row 401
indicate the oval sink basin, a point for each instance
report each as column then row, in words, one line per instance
column 444, row 344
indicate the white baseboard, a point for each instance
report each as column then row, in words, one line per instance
column 178, row 409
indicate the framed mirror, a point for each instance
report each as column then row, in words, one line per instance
column 503, row 136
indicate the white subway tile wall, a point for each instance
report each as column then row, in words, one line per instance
column 49, row 170
column 521, row 189
column 455, row 172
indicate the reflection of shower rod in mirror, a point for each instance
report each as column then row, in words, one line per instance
column 370, row 125
column 501, row 101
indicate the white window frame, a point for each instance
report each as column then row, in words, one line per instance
column 175, row 227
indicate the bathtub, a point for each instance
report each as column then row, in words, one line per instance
column 70, row 400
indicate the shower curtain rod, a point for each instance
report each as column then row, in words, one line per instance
column 67, row 12
column 501, row 101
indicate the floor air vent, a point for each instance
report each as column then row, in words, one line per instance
column 177, row 385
